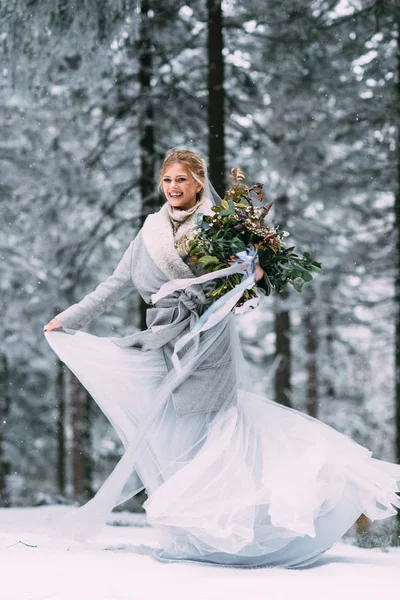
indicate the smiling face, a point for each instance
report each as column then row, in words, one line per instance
column 179, row 186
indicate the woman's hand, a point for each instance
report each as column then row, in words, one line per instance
column 259, row 270
column 53, row 324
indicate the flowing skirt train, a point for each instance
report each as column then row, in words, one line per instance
column 254, row 484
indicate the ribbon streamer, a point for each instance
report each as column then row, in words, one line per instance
column 246, row 264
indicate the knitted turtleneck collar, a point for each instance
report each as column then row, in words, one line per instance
column 159, row 239
column 178, row 215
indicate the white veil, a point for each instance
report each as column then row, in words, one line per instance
column 210, row 191
column 134, row 393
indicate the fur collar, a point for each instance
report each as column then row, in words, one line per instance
column 158, row 237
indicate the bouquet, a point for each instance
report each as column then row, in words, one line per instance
column 238, row 225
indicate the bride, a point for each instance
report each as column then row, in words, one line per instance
column 232, row 478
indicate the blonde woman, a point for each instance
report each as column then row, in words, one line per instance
column 232, row 478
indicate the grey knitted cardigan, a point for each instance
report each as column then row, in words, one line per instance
column 151, row 260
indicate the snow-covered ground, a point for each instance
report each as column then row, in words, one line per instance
column 118, row 566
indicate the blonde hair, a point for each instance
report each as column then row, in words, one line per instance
column 195, row 164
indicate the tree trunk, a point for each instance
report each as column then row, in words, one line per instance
column 362, row 527
column 282, row 352
column 216, row 96
column 310, row 323
column 87, row 443
column 5, row 403
column 81, row 451
column 150, row 202
column 283, row 357
column 330, row 383
column 397, row 276
column 60, row 429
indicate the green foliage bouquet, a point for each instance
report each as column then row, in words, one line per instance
column 238, row 225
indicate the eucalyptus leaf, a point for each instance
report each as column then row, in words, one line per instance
column 298, row 284
column 198, row 219
column 208, row 260
column 315, row 268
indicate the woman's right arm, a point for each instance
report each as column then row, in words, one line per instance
column 105, row 295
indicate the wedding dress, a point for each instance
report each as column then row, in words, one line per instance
column 232, row 478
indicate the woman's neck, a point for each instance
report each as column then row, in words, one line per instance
column 179, row 215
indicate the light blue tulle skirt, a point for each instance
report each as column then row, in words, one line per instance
column 254, row 484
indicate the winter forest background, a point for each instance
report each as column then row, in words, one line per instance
column 304, row 96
